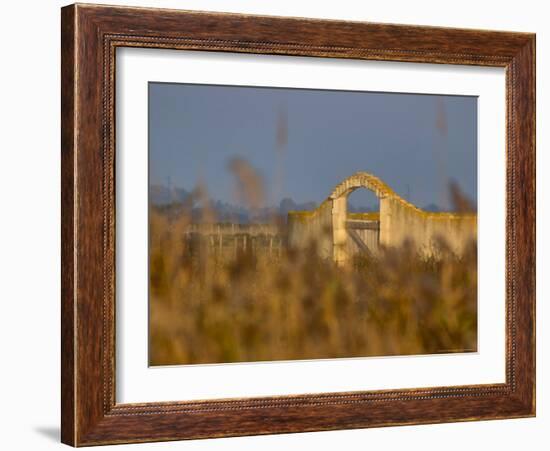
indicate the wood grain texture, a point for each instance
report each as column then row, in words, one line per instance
column 90, row 36
column 68, row 313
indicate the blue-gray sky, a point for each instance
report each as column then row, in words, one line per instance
column 415, row 143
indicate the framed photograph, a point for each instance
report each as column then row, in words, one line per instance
column 279, row 225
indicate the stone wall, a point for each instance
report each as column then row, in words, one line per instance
column 326, row 227
column 312, row 228
column 401, row 221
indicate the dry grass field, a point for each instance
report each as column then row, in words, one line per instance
column 254, row 305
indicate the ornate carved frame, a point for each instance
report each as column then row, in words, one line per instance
column 90, row 36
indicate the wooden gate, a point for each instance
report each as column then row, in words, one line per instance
column 363, row 236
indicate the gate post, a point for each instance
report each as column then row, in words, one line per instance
column 339, row 233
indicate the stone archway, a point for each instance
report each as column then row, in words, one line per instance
column 339, row 197
column 398, row 221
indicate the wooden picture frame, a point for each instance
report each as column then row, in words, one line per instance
column 90, row 36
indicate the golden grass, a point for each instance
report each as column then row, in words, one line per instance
column 208, row 307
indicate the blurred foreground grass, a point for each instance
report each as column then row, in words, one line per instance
column 211, row 308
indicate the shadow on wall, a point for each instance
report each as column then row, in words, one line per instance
column 53, row 433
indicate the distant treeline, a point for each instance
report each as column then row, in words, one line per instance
column 174, row 200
